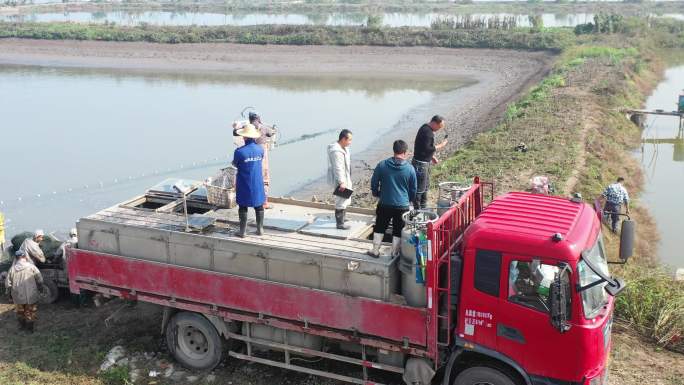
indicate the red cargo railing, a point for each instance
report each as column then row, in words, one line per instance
column 444, row 237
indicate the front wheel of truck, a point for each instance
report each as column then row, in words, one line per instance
column 193, row 341
column 483, row 375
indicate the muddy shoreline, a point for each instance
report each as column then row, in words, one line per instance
column 493, row 77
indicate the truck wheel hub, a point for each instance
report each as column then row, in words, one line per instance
column 193, row 342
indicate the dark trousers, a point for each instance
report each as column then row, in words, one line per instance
column 243, row 209
column 385, row 214
column 423, row 179
column 613, row 209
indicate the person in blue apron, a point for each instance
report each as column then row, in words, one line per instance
column 249, row 185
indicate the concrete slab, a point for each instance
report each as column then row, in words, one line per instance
column 325, row 225
column 307, row 220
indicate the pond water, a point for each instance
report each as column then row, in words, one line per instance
column 340, row 19
column 662, row 157
column 76, row 141
column 242, row 19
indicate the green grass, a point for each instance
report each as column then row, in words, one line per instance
column 554, row 40
column 117, row 375
column 654, row 304
column 21, row 373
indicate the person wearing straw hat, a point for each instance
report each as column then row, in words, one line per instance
column 265, row 141
column 249, row 182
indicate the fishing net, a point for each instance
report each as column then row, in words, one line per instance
column 49, row 245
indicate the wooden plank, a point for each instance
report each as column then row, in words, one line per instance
column 310, row 243
column 272, row 239
column 652, row 112
column 318, row 205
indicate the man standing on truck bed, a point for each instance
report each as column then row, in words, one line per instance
column 267, row 132
column 615, row 195
column 424, row 156
column 394, row 182
column 339, row 175
column 31, row 247
column 23, row 285
column 249, row 185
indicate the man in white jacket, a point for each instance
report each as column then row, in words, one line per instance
column 339, row 174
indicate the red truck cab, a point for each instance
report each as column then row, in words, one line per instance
column 534, row 291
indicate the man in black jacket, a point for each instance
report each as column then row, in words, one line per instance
column 424, row 157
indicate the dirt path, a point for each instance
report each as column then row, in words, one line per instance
column 495, row 77
column 588, row 125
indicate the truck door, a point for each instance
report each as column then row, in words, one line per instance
column 524, row 331
column 482, row 277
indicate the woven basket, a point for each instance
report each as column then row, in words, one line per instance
column 221, row 197
column 221, row 189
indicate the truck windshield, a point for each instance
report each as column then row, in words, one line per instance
column 595, row 297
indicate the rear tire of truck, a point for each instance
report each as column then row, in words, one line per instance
column 193, row 341
column 483, row 375
column 52, row 292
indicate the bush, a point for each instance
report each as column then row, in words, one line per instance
column 492, row 36
column 653, row 303
column 374, row 22
column 117, row 375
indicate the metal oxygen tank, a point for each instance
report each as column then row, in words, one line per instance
column 449, row 194
column 414, row 254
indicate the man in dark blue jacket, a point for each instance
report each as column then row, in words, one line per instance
column 249, row 184
column 394, row 182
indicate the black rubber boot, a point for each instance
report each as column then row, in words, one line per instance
column 22, row 323
column 339, row 218
column 260, row 222
column 29, row 326
column 243, row 223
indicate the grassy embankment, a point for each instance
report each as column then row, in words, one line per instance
column 521, row 38
column 576, row 135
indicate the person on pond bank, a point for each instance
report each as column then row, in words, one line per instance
column 24, row 284
column 615, row 195
column 339, row 175
column 31, row 247
column 2, row 233
column 424, row 157
column 394, row 182
column 267, row 132
column 249, row 184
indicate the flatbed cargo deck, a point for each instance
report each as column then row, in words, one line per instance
column 302, row 245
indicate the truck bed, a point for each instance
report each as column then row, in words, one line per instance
column 301, row 245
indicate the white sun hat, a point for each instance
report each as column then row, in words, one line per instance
column 249, row 131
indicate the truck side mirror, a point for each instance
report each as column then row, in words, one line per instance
column 558, row 301
column 627, row 232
